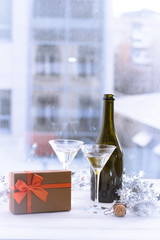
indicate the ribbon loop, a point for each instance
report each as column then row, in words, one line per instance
column 35, row 187
column 37, row 180
column 21, row 186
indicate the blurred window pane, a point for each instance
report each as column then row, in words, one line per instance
column 5, row 19
column 85, row 35
column 86, row 9
column 48, row 35
column 63, row 55
column 49, row 8
column 5, row 110
column 87, row 60
column 47, row 60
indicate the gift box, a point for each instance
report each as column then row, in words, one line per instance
column 40, row 191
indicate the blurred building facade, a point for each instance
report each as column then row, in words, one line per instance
column 137, row 52
column 54, row 69
column 13, row 75
column 56, row 64
column 137, row 82
column 67, row 61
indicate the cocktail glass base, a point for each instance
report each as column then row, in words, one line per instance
column 95, row 208
column 101, row 208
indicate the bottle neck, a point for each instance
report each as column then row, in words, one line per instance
column 108, row 115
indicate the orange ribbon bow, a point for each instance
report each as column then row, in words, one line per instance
column 34, row 187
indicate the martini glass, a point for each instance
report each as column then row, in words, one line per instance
column 66, row 150
column 97, row 155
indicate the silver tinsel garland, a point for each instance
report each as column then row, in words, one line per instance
column 138, row 195
column 4, row 189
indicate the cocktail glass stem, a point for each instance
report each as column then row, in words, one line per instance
column 97, row 156
column 97, row 176
column 65, row 166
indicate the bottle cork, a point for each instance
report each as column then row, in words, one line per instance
column 119, row 209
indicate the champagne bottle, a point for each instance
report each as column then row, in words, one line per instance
column 111, row 174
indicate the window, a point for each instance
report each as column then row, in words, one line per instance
column 5, row 110
column 141, row 56
column 85, row 9
column 48, row 60
column 88, row 57
column 5, row 19
column 48, row 35
column 85, row 35
column 45, row 113
column 49, row 8
column 64, row 56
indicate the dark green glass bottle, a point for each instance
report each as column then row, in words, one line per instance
column 111, row 174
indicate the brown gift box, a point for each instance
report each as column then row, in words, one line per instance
column 58, row 191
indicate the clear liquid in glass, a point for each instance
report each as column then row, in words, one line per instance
column 97, row 161
column 66, row 155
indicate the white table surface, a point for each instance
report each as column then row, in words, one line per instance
column 78, row 224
